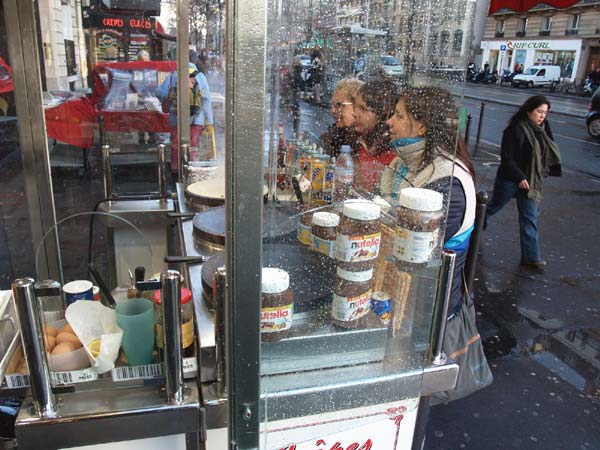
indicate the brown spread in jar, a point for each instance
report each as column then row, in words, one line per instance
column 324, row 231
column 277, row 304
column 417, row 230
column 359, row 235
column 351, row 298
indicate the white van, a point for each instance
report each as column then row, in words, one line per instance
column 538, row 76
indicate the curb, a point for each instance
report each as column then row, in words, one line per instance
column 501, row 102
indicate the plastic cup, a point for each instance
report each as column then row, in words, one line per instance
column 136, row 318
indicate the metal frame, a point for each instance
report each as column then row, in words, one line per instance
column 24, row 58
column 244, row 141
column 183, row 101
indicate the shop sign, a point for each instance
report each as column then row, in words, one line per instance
column 125, row 22
column 527, row 45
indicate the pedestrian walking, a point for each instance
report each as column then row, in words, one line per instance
column 528, row 154
column 318, row 69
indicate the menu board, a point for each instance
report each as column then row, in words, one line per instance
column 137, row 42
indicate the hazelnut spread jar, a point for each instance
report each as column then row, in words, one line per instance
column 277, row 304
column 324, row 231
column 417, row 230
column 351, row 298
column 358, row 235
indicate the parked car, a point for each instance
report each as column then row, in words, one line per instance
column 593, row 118
column 538, row 76
column 391, row 66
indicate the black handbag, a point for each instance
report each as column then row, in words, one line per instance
column 462, row 343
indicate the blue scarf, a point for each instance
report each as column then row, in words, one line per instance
column 403, row 142
column 402, row 170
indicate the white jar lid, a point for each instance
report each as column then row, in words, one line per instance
column 421, row 199
column 325, row 219
column 361, row 209
column 363, row 276
column 274, row 281
column 77, row 286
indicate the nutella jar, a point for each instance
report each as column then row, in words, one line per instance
column 417, row 230
column 351, row 298
column 304, row 228
column 277, row 304
column 324, row 232
column 358, row 235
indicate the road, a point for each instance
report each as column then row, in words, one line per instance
column 580, row 152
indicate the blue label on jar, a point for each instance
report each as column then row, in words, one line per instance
column 381, row 304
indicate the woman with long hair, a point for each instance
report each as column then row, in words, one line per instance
column 425, row 134
column 374, row 106
column 528, row 154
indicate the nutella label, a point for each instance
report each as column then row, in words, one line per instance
column 357, row 248
column 323, row 246
column 304, row 234
column 276, row 318
column 346, row 309
column 414, row 246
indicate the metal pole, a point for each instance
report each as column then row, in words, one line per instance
column 479, row 125
column 468, row 130
column 162, row 172
column 440, row 309
column 171, row 322
column 184, row 157
column 471, row 261
column 108, row 181
column 220, row 285
column 30, row 324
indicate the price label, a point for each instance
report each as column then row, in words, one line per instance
column 136, row 372
column 17, row 381
column 190, row 367
column 74, row 376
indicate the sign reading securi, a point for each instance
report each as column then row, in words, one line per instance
column 527, row 44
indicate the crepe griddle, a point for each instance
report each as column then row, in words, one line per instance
column 311, row 274
column 209, row 225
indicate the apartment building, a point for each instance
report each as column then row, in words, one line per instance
column 569, row 38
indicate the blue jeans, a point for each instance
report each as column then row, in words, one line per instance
column 504, row 191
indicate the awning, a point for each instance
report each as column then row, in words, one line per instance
column 6, row 81
column 526, row 5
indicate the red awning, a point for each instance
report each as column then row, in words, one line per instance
column 72, row 122
column 526, row 5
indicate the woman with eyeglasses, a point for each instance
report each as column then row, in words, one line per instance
column 424, row 132
column 373, row 107
column 341, row 132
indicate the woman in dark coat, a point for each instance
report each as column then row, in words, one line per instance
column 528, row 154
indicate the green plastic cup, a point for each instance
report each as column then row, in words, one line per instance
column 136, row 318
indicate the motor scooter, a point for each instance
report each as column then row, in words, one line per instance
column 589, row 87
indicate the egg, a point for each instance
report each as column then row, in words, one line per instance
column 50, row 330
column 68, row 337
column 66, row 329
column 63, row 348
column 50, row 342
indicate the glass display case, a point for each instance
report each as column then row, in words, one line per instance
column 302, row 186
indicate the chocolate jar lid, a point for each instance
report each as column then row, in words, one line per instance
column 274, row 281
column 421, row 199
column 325, row 219
column 360, row 209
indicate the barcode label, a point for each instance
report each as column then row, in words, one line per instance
column 190, row 367
column 17, row 381
column 136, row 372
column 74, row 376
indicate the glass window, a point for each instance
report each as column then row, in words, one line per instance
column 457, row 43
column 522, row 25
column 444, row 42
column 499, row 26
column 575, row 21
column 546, row 24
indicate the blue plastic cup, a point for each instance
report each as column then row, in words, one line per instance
column 136, row 318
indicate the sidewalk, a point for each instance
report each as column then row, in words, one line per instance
column 566, row 105
column 541, row 332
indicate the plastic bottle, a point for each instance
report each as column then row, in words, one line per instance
column 344, row 175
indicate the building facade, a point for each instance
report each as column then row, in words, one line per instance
column 569, row 38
